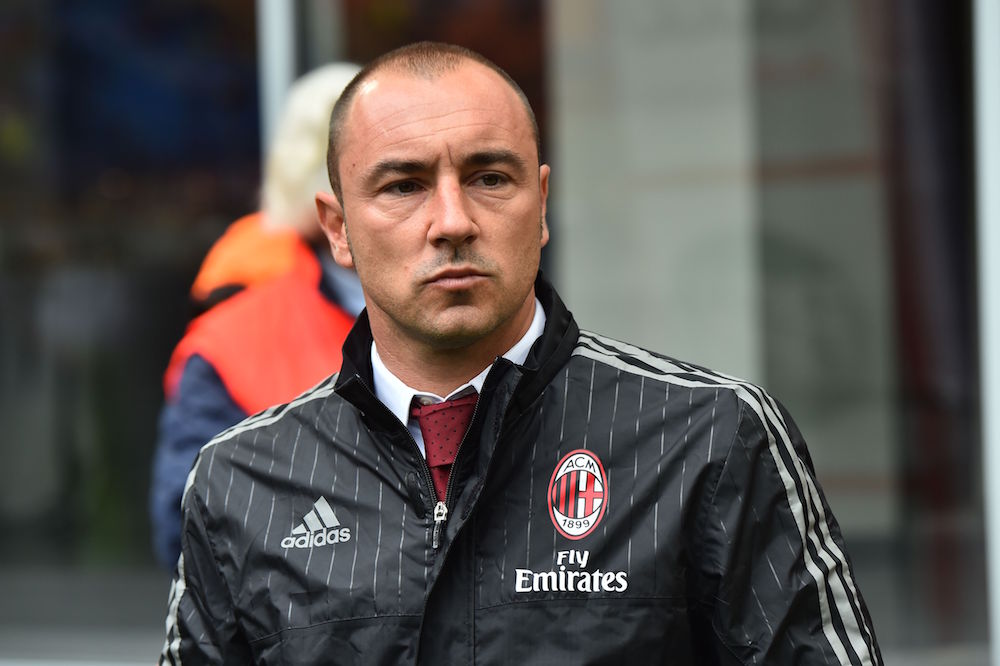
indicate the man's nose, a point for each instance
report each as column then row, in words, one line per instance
column 453, row 221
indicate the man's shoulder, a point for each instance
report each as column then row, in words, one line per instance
column 682, row 377
column 690, row 392
column 271, row 433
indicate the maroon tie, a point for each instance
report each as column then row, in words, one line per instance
column 443, row 426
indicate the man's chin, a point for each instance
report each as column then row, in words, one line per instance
column 456, row 332
column 451, row 339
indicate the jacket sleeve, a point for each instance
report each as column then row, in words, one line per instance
column 781, row 589
column 201, row 623
column 200, row 410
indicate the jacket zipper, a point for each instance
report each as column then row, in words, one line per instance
column 441, row 508
column 440, row 518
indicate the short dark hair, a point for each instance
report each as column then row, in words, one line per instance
column 423, row 59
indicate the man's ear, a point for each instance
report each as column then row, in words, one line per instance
column 331, row 219
column 543, row 191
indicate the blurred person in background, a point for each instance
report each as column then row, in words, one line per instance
column 484, row 482
column 272, row 306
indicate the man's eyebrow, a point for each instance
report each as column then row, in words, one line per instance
column 394, row 168
column 404, row 167
column 486, row 158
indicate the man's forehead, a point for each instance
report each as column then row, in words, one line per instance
column 394, row 107
column 468, row 87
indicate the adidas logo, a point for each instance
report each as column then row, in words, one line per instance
column 319, row 527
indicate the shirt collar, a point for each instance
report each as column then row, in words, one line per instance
column 398, row 397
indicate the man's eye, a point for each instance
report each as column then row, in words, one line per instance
column 491, row 179
column 404, row 187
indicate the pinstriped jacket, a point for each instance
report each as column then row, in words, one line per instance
column 607, row 505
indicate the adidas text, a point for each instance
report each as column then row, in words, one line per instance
column 319, row 527
column 318, row 538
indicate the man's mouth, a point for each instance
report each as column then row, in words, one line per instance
column 455, row 278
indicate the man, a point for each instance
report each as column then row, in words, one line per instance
column 606, row 505
column 275, row 307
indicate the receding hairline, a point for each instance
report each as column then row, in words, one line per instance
column 427, row 60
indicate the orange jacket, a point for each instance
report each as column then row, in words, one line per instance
column 246, row 254
column 268, row 343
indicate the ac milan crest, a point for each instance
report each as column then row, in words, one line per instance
column 578, row 494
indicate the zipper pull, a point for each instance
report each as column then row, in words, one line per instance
column 440, row 516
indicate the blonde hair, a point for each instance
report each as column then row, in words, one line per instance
column 295, row 168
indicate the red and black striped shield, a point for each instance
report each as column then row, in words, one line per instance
column 578, row 494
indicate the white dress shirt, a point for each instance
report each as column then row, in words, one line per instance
column 398, row 397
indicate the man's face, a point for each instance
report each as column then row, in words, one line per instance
column 443, row 212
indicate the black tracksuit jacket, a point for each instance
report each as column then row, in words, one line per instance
column 607, row 506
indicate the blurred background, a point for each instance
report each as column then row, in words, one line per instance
column 779, row 189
